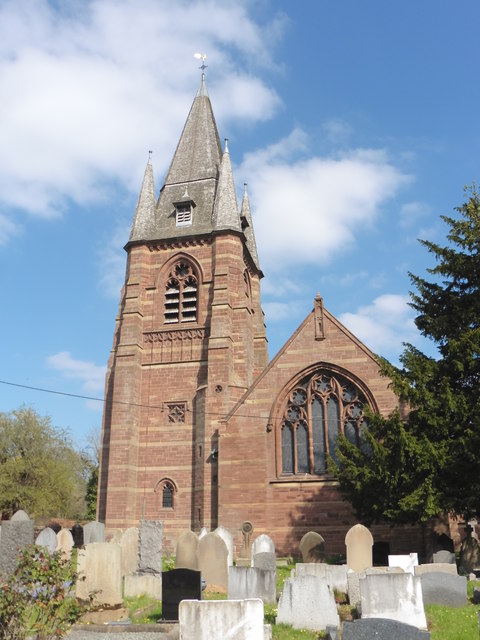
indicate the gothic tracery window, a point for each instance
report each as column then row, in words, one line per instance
column 318, row 408
column 181, row 294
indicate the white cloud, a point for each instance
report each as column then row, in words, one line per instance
column 8, row 229
column 112, row 261
column 338, row 131
column 384, row 325
column 307, row 210
column 88, row 88
column 91, row 376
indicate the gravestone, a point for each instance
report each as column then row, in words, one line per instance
column 436, row 567
column 381, row 629
column 335, row 575
column 265, row 560
column 150, row 542
column 221, row 620
column 444, row 588
column 380, row 553
column 469, row 552
column 263, row 544
column 100, row 573
column 137, row 584
column 227, row 537
column 312, row 547
column 54, row 526
column 307, row 603
column 77, row 535
column 47, row 538
column 405, row 562
column 93, row 532
column 212, row 561
column 186, row 555
column 178, row 585
column 65, row 543
column 353, row 581
column 359, row 543
column 397, row 596
column 17, row 533
column 245, row 556
column 444, row 557
column 203, row 533
column 476, row 595
column 249, row 582
column 129, row 545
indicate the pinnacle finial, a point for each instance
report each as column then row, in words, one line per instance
column 150, row 157
column 226, row 146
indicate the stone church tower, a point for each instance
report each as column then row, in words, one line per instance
column 189, row 338
column 199, row 428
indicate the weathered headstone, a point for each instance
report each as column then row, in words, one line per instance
column 221, row 619
column 245, row 556
column 150, row 543
column 444, row 588
column 397, row 596
column 307, row 603
column 129, row 545
column 212, row 561
column 381, row 629
column 265, row 560
column 100, row 573
column 186, row 555
column 17, row 533
column 353, row 581
column 77, row 535
column 249, row 582
column 227, row 537
column 444, row 556
column 203, row 533
column 65, row 543
column 137, row 584
column 436, row 567
column 469, row 558
column 359, row 543
column 335, row 575
column 312, row 547
column 405, row 562
column 47, row 538
column 178, row 585
column 263, row 544
column 93, row 532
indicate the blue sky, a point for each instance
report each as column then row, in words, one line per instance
column 355, row 125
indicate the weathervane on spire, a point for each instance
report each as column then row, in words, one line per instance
column 202, row 57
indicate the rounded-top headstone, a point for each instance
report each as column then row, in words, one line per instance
column 359, row 543
column 47, row 538
column 312, row 547
column 186, row 554
column 20, row 516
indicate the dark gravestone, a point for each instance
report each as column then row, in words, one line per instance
column 332, row 632
column 77, row 535
column 476, row 595
column 444, row 588
column 382, row 629
column 54, row 526
column 380, row 553
column 178, row 585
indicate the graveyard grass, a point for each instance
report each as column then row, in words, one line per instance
column 449, row 623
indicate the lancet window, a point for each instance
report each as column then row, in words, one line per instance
column 318, row 408
column 167, row 496
column 181, row 294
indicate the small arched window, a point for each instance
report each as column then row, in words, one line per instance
column 181, row 294
column 318, row 408
column 167, row 496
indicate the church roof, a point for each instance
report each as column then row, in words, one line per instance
column 144, row 218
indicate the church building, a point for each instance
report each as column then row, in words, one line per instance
column 200, row 429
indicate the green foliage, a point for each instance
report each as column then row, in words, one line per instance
column 91, row 493
column 430, row 462
column 40, row 471
column 35, row 598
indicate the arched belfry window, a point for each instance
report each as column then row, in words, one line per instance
column 318, row 408
column 181, row 294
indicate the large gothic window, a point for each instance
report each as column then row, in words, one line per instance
column 317, row 409
column 181, row 294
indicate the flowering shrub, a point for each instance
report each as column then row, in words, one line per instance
column 36, row 600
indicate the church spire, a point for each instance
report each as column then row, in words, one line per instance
column 144, row 218
column 225, row 212
column 247, row 224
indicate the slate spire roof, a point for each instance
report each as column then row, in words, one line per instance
column 247, row 225
column 200, row 175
